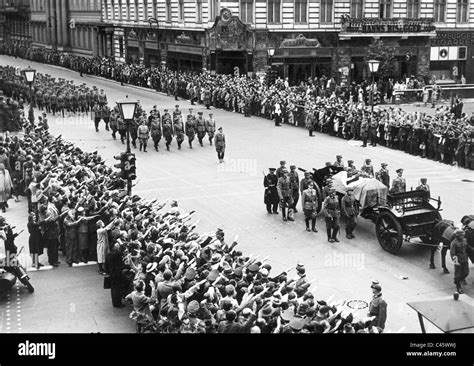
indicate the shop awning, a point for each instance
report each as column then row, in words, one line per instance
column 298, row 52
column 189, row 49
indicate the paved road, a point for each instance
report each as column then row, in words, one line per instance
column 230, row 196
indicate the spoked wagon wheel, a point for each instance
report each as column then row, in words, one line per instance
column 389, row 232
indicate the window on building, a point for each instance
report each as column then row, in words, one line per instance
column 325, row 12
column 121, row 47
column 385, row 9
column 135, row 8
column 274, row 11
column 213, row 9
column 413, row 8
column 357, row 9
column 168, row 11
column 439, row 10
column 112, row 9
column 181, row 10
column 462, row 14
column 199, row 11
column 301, row 7
column 120, row 9
column 246, row 11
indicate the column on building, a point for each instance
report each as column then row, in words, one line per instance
column 60, row 21
column 53, row 20
column 65, row 23
column 49, row 39
column 96, row 42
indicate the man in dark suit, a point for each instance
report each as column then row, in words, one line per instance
column 113, row 267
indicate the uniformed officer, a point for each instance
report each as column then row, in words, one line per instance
column 285, row 195
column 279, row 172
column 351, row 169
column 271, row 198
column 378, row 307
column 96, row 115
column 201, row 127
column 113, row 122
column 178, row 126
column 134, row 123
column 295, row 186
column 349, row 210
column 399, row 184
column 339, row 163
column 155, row 129
column 143, row 134
column 105, row 113
column 332, row 213
column 122, row 128
column 167, row 128
column 309, row 199
column 219, row 142
column 190, row 127
column 102, row 98
column 210, row 127
column 367, row 169
column 383, row 175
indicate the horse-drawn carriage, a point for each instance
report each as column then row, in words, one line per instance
column 397, row 217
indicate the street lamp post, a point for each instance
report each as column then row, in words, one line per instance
column 128, row 108
column 373, row 67
column 30, row 75
column 152, row 20
column 271, row 52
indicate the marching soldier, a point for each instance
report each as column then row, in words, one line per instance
column 46, row 101
column 383, row 175
column 332, row 213
column 106, row 116
column 96, row 116
column 54, row 102
column 167, row 128
column 122, row 128
column 134, row 132
column 399, row 184
column 102, row 98
column 309, row 199
column 61, row 103
column 295, row 185
column 349, row 210
column 271, row 198
column 143, row 134
column 285, row 195
column 220, row 144
column 155, row 130
column 210, row 127
column 113, row 122
column 201, row 128
column 179, row 129
column 190, row 127
column 154, row 113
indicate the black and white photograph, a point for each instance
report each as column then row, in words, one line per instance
column 195, row 170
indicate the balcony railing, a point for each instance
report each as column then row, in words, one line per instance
column 362, row 26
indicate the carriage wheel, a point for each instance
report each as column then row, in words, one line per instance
column 389, row 232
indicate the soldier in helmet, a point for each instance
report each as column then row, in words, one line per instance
column 167, row 128
column 190, row 127
column 96, row 115
column 113, row 122
column 295, row 185
column 399, row 184
column 200, row 127
column 210, row 127
column 349, row 211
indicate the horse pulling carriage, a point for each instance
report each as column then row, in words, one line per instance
column 397, row 217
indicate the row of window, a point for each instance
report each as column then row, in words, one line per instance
column 74, row 5
column 274, row 10
column 80, row 36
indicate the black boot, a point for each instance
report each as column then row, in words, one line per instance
column 334, row 235
column 283, row 213
column 328, row 230
column 307, row 225
column 313, row 225
column 348, row 233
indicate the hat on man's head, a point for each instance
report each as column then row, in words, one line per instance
column 292, row 166
column 384, row 164
column 272, row 169
column 338, row 156
column 282, row 162
column 350, row 161
column 400, row 170
column 150, row 267
column 253, row 268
